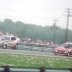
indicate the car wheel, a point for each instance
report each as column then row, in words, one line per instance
column 5, row 46
column 14, row 48
column 67, row 54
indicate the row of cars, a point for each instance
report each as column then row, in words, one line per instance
column 65, row 49
column 38, row 43
column 8, row 41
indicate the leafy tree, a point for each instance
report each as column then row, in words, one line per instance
column 35, row 32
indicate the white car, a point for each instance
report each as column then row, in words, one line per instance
column 9, row 42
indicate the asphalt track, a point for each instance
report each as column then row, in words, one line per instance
column 30, row 50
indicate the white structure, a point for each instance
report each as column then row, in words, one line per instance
column 11, row 38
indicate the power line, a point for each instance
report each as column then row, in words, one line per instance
column 49, row 9
column 68, row 15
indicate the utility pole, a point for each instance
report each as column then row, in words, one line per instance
column 54, row 29
column 66, row 32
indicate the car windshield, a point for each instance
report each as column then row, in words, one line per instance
column 13, row 38
column 66, row 45
column 36, row 33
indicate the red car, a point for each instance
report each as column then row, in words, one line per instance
column 65, row 49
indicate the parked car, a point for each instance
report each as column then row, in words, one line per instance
column 65, row 49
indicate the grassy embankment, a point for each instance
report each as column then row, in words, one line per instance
column 34, row 61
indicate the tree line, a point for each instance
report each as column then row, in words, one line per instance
column 35, row 32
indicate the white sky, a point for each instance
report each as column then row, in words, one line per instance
column 39, row 12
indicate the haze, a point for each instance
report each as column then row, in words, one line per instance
column 38, row 12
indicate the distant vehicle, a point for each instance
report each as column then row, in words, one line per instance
column 65, row 49
column 9, row 41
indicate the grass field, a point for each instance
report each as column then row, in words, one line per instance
column 34, row 61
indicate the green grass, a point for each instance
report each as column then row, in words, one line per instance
column 34, row 61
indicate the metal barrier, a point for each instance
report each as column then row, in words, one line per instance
column 42, row 69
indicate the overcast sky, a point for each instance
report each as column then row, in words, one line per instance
column 39, row 12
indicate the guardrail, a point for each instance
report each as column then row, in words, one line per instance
column 6, row 68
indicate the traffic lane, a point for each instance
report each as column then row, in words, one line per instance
column 24, row 52
column 49, row 51
column 32, row 48
column 34, row 53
